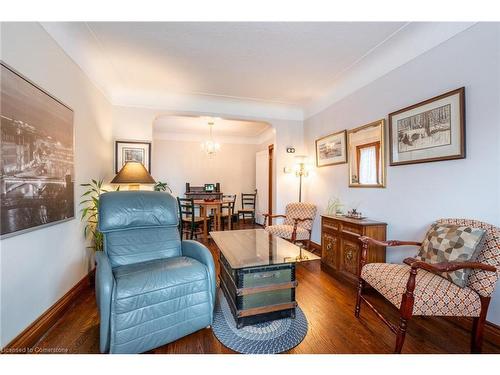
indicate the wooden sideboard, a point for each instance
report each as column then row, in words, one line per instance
column 340, row 247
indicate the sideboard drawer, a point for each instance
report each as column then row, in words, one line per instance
column 352, row 229
column 330, row 225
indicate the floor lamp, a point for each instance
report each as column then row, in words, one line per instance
column 301, row 171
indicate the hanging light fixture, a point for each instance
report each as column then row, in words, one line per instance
column 210, row 146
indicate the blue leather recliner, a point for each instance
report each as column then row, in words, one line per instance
column 151, row 287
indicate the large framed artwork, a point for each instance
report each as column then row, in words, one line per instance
column 37, row 151
column 432, row 130
column 132, row 151
column 331, row 150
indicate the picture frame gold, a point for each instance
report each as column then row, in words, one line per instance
column 340, row 136
column 353, row 149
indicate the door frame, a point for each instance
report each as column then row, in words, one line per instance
column 270, row 169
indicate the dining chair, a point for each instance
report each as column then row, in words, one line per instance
column 248, row 201
column 227, row 208
column 189, row 223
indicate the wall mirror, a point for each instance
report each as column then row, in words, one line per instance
column 367, row 155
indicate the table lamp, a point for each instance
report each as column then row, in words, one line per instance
column 133, row 173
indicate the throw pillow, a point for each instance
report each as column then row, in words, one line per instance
column 452, row 243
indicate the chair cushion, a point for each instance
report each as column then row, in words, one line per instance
column 450, row 242
column 300, row 210
column 285, row 231
column 433, row 294
column 156, row 295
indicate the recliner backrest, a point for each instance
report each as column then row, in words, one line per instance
column 139, row 226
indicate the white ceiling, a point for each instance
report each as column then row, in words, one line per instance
column 199, row 125
column 272, row 69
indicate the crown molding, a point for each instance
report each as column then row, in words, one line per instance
column 412, row 40
column 198, row 103
column 409, row 42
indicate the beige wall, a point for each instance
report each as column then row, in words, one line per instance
column 39, row 267
column 178, row 162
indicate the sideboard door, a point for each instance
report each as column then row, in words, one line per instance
column 351, row 251
column 330, row 250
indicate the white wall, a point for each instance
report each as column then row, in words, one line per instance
column 178, row 162
column 39, row 267
column 420, row 193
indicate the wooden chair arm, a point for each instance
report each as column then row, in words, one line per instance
column 269, row 217
column 391, row 243
column 296, row 221
column 365, row 241
column 447, row 266
column 272, row 216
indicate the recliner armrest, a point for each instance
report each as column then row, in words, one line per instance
column 104, row 284
column 200, row 252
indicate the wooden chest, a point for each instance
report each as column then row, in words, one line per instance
column 258, row 294
column 340, row 247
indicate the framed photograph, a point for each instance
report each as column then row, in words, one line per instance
column 331, row 150
column 432, row 130
column 132, row 151
column 37, row 156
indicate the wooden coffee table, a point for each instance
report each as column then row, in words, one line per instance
column 257, row 274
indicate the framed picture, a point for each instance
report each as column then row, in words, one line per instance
column 331, row 150
column 37, row 156
column 132, row 151
column 432, row 130
column 209, row 187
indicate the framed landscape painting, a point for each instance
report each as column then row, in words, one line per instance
column 132, row 151
column 331, row 150
column 432, row 130
column 37, row 156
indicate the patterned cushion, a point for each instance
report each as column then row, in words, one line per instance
column 451, row 242
column 481, row 281
column 300, row 210
column 285, row 231
column 433, row 294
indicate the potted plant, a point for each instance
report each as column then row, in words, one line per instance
column 162, row 186
column 90, row 212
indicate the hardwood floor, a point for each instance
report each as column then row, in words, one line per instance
column 327, row 302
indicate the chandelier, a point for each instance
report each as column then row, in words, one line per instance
column 210, row 146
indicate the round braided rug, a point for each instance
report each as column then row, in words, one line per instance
column 272, row 337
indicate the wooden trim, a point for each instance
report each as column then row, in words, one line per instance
column 266, row 309
column 266, row 288
column 270, row 182
column 377, row 157
column 36, row 330
column 315, row 247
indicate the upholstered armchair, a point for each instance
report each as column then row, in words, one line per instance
column 297, row 226
column 420, row 288
column 151, row 287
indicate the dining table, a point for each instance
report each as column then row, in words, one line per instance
column 207, row 206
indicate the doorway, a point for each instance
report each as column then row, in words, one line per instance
column 264, row 166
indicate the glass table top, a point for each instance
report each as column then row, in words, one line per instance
column 256, row 247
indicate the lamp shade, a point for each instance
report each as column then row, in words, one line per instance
column 133, row 172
